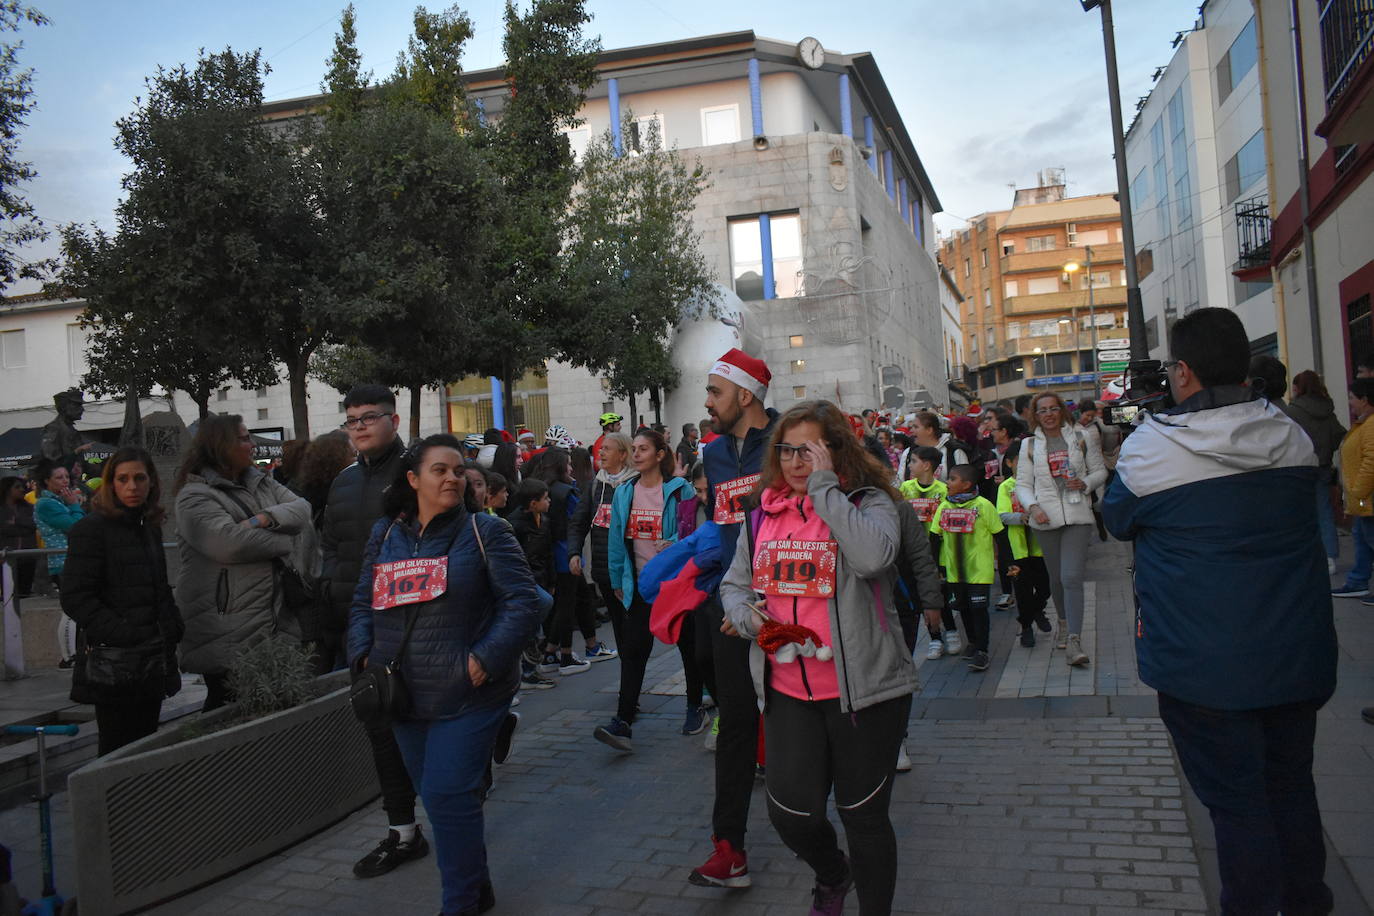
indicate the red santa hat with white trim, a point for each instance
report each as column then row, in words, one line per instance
column 745, row 371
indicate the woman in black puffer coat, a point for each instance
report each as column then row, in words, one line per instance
column 114, row 586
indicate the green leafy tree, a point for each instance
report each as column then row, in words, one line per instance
column 20, row 226
column 635, row 257
column 345, row 82
column 136, row 344
column 550, row 65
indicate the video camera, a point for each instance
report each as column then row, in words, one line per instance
column 1146, row 387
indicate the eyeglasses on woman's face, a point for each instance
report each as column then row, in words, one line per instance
column 1053, row 408
column 787, row 452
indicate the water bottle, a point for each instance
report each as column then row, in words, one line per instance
column 1075, row 496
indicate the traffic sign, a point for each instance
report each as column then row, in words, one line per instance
column 1113, row 343
column 1112, row 366
column 1112, row 356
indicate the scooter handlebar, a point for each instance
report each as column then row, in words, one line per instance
column 45, row 729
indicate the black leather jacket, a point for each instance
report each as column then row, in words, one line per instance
column 354, row 505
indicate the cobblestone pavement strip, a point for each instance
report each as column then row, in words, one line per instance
column 1027, row 796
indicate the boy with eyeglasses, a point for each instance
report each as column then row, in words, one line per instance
column 354, row 504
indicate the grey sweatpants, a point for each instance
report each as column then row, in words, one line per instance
column 1066, row 556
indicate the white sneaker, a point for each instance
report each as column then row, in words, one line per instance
column 953, row 644
column 903, row 761
column 937, row 649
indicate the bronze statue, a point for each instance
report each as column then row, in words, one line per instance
column 61, row 441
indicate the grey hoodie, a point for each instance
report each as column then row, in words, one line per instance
column 872, row 663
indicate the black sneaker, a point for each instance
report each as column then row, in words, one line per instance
column 1043, row 623
column 697, row 721
column 617, row 735
column 979, row 662
column 390, row 853
column 505, row 737
column 970, row 651
column 1028, row 637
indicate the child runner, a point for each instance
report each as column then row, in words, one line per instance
column 967, row 523
column 1029, row 577
column 924, row 491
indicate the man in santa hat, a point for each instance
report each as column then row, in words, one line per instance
column 735, row 390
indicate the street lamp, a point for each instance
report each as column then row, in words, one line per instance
column 1135, row 311
column 1071, row 268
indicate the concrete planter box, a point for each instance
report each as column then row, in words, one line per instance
column 160, row 817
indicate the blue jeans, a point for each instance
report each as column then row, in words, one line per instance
column 1253, row 770
column 1362, row 533
column 447, row 760
column 1326, row 516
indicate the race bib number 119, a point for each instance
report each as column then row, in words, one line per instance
column 801, row 569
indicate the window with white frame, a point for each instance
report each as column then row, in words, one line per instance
column 1098, row 280
column 76, row 350
column 719, row 124
column 646, row 134
column 1041, row 243
column 1009, row 288
column 13, row 352
column 1037, row 286
column 1013, row 330
column 578, row 138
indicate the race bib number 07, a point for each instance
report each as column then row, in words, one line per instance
column 730, row 499
column 408, row 581
column 799, row 569
column 958, row 521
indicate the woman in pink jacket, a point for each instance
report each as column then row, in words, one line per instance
column 811, row 583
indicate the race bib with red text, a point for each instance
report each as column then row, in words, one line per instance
column 958, row 521
column 730, row 499
column 925, row 508
column 602, row 519
column 1058, row 461
column 798, row 569
column 645, row 525
column 408, row 581
column 992, row 468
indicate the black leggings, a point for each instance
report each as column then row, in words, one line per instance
column 698, row 674
column 812, row 746
column 971, row 601
column 217, row 691
column 614, row 608
column 1032, row 589
column 636, row 644
column 125, row 720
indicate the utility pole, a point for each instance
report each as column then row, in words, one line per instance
column 1135, row 311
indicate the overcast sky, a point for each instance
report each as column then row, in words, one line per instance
column 991, row 90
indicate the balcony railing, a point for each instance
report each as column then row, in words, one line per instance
column 1252, row 231
column 1103, row 255
column 1064, row 301
column 1347, row 32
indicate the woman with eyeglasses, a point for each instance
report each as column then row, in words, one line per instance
column 811, row 583
column 1059, row 467
column 235, row 527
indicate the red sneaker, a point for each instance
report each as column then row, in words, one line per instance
column 727, row 867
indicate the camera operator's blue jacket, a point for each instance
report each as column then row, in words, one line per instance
column 1233, row 599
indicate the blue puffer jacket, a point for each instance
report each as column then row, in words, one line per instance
column 488, row 610
column 54, row 519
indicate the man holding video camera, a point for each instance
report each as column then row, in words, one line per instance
column 1233, row 610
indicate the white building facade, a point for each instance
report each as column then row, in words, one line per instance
column 1196, row 157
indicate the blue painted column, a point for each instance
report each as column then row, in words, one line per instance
column 755, row 96
column 889, row 178
column 846, row 116
column 901, row 198
column 868, row 142
column 613, row 96
column 770, row 290
column 498, row 404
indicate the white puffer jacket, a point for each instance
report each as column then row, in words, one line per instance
column 1036, row 486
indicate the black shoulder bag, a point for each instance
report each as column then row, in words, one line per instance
column 379, row 696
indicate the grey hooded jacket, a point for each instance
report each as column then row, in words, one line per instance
column 226, row 585
column 872, row 663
